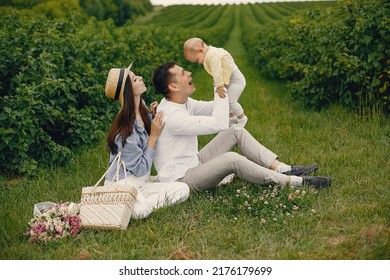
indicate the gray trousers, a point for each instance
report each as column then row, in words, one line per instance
column 217, row 161
column 234, row 89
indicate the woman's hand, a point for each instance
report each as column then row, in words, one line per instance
column 157, row 124
column 153, row 108
column 156, row 129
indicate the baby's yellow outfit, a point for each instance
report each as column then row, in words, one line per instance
column 219, row 64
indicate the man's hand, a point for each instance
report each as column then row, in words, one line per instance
column 221, row 91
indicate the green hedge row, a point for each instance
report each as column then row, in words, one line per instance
column 120, row 11
column 53, row 74
column 334, row 55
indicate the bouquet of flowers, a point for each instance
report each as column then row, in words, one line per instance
column 58, row 221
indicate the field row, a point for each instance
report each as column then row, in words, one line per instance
column 209, row 16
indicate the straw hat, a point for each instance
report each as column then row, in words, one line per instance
column 116, row 82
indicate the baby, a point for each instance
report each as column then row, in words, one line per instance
column 220, row 65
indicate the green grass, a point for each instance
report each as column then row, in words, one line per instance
column 351, row 219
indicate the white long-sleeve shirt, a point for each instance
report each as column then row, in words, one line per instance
column 177, row 146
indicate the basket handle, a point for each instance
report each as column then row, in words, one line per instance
column 119, row 165
column 124, row 170
column 117, row 158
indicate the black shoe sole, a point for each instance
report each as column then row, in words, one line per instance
column 305, row 172
column 324, row 183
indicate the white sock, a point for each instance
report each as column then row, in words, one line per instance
column 283, row 168
column 242, row 122
column 226, row 180
column 296, row 181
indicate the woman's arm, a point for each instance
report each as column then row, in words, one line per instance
column 138, row 157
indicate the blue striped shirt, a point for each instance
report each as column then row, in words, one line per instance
column 138, row 157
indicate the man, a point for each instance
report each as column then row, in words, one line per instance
column 177, row 156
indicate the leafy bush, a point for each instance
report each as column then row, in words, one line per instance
column 56, row 9
column 335, row 55
column 20, row 3
column 118, row 10
column 53, row 77
column 51, row 94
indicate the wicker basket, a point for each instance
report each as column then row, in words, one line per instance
column 108, row 207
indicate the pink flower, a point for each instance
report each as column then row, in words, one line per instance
column 58, row 221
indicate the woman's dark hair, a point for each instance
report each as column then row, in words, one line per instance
column 161, row 78
column 124, row 120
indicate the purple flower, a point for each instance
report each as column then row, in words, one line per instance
column 56, row 222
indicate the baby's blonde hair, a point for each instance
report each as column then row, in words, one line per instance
column 193, row 44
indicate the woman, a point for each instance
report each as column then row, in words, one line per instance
column 134, row 134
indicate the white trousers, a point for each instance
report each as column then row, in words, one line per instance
column 153, row 194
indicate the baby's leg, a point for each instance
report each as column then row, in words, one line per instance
column 234, row 89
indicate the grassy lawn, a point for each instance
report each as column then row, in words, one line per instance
column 351, row 220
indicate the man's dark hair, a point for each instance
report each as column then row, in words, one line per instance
column 161, row 78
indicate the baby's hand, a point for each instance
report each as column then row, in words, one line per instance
column 221, row 92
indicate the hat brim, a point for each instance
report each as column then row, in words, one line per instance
column 128, row 69
column 127, row 73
